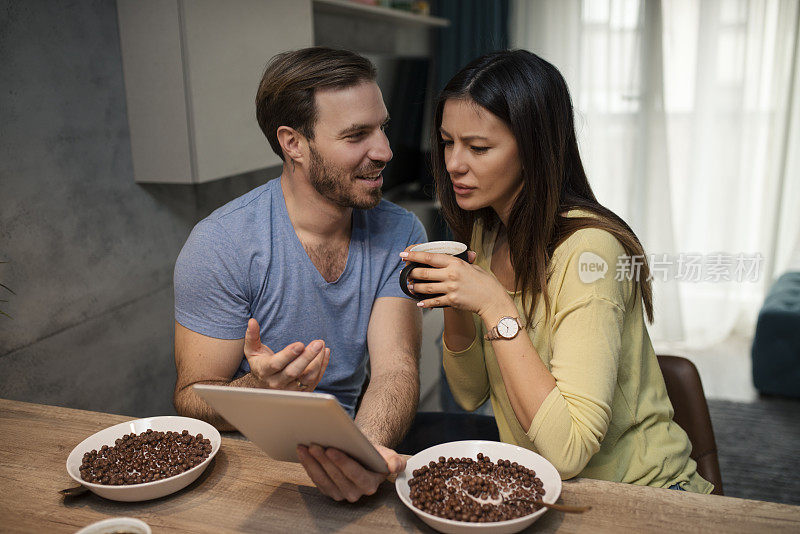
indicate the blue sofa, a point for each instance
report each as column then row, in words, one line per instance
column 776, row 346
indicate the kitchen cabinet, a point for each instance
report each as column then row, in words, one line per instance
column 192, row 69
column 191, row 73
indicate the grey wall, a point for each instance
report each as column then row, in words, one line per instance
column 90, row 253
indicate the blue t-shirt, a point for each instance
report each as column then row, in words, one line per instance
column 245, row 260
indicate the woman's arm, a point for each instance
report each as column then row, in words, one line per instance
column 459, row 330
column 463, row 359
column 469, row 289
column 466, row 370
column 527, row 380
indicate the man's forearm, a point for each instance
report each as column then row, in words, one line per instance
column 189, row 404
column 388, row 406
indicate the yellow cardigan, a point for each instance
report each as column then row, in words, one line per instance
column 609, row 416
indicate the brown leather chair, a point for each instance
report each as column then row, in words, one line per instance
column 691, row 413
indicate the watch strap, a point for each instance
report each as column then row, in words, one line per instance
column 492, row 334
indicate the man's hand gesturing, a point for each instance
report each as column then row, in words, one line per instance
column 296, row 367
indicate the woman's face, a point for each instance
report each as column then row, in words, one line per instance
column 481, row 157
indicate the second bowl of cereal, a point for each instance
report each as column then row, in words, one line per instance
column 144, row 459
column 486, row 486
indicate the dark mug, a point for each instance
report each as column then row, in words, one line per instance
column 454, row 248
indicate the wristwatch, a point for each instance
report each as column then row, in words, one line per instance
column 507, row 328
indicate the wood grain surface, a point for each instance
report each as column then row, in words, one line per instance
column 243, row 490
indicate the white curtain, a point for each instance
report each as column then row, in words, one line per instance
column 688, row 118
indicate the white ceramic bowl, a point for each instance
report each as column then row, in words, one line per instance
column 147, row 490
column 117, row 524
column 495, row 451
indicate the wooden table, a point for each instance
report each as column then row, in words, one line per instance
column 244, row 490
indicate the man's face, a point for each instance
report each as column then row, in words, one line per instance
column 349, row 149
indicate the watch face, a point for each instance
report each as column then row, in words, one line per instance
column 507, row 327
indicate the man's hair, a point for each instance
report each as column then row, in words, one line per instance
column 286, row 93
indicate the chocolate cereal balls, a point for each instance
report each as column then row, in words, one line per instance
column 146, row 457
column 477, row 491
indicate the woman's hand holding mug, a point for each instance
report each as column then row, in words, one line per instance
column 440, row 273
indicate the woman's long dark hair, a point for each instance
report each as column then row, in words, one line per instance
column 531, row 97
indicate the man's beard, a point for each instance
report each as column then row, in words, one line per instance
column 336, row 185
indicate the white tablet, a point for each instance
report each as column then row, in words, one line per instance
column 277, row 421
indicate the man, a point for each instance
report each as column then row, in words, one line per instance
column 307, row 266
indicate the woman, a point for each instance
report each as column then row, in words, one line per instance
column 583, row 387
